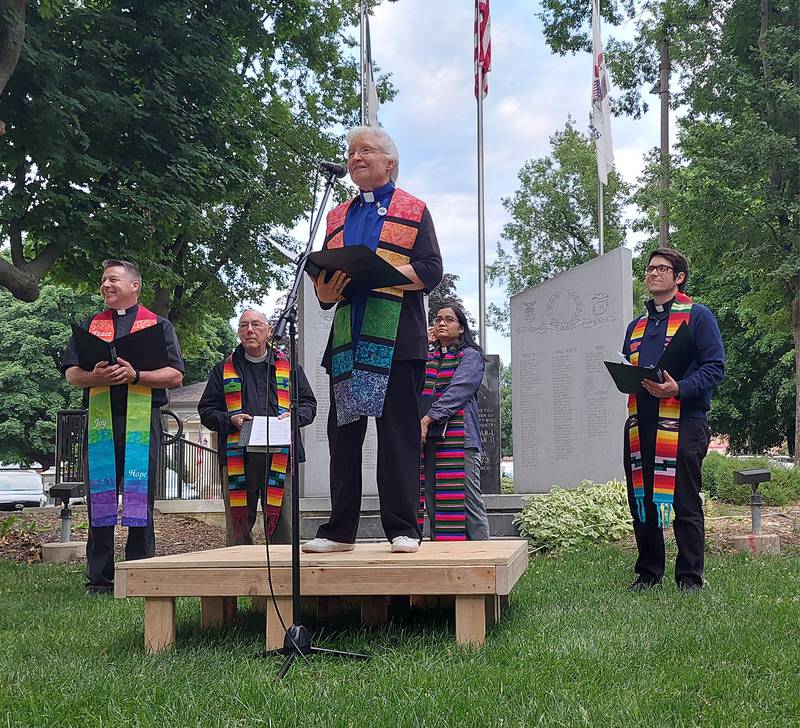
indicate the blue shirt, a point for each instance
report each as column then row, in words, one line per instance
column 703, row 375
column 363, row 227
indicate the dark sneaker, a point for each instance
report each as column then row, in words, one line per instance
column 687, row 587
column 96, row 591
column 642, row 585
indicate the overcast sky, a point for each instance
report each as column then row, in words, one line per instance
column 427, row 47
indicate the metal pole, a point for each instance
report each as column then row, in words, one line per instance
column 481, row 226
column 363, row 33
column 663, row 205
column 600, row 215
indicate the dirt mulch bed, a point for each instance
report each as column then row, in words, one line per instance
column 784, row 522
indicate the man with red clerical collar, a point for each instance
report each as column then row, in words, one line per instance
column 254, row 381
column 667, row 433
column 378, row 345
column 124, row 428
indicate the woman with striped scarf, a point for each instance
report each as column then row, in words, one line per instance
column 450, row 474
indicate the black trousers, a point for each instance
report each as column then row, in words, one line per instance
column 688, row 525
column 398, row 460
column 141, row 542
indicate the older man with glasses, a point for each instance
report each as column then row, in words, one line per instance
column 253, row 381
column 378, row 345
column 667, row 434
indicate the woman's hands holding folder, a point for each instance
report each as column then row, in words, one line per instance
column 669, row 387
column 331, row 292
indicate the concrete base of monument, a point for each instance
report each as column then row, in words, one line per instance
column 316, row 511
column 63, row 553
column 758, row 544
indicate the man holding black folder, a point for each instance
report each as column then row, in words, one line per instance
column 124, row 428
column 667, row 434
column 378, row 346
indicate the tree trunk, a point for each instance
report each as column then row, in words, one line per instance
column 663, row 205
column 21, row 284
column 796, row 333
column 12, row 35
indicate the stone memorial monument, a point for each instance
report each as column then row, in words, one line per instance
column 489, row 423
column 568, row 416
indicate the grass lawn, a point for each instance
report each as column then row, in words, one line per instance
column 574, row 649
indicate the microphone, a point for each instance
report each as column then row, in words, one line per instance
column 337, row 170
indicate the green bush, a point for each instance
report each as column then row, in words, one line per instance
column 590, row 513
column 784, row 488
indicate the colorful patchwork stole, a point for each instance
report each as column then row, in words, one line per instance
column 448, row 522
column 276, row 474
column 102, row 467
column 360, row 378
column 669, row 413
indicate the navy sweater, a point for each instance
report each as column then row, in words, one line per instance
column 703, row 375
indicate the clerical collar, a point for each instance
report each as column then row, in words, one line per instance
column 379, row 196
column 257, row 359
column 123, row 311
column 659, row 307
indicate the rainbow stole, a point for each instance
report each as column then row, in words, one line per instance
column 448, row 522
column 102, row 465
column 276, row 474
column 360, row 378
column 669, row 413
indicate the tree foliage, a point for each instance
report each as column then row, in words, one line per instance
column 553, row 225
column 179, row 134
column 446, row 292
column 33, row 337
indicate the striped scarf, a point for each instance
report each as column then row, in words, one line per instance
column 360, row 377
column 276, row 475
column 448, row 522
column 102, row 463
column 669, row 413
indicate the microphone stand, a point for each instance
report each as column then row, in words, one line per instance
column 297, row 642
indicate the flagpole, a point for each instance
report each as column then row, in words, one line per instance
column 481, row 226
column 362, row 13
column 600, row 213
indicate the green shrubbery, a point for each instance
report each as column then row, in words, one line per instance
column 784, row 488
column 590, row 513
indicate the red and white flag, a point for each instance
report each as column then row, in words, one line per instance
column 601, row 112
column 483, row 45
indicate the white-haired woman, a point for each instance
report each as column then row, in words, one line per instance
column 378, row 345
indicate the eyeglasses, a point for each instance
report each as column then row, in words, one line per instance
column 363, row 152
column 255, row 325
column 660, row 269
column 445, row 320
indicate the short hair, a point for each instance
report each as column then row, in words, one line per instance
column 679, row 263
column 256, row 311
column 385, row 143
column 130, row 268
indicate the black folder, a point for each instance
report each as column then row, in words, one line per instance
column 675, row 359
column 145, row 349
column 365, row 268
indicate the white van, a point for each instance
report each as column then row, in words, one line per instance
column 20, row 489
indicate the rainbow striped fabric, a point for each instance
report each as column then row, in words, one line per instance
column 669, row 413
column 276, row 473
column 360, row 377
column 102, row 465
column 448, row 522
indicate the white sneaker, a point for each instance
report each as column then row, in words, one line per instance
column 325, row 545
column 404, row 545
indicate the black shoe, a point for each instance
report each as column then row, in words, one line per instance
column 687, row 587
column 96, row 591
column 641, row 585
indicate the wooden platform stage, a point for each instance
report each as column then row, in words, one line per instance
column 478, row 574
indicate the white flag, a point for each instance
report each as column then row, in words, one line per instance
column 601, row 115
column 371, row 91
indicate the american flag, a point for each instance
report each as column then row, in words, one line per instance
column 601, row 112
column 483, row 45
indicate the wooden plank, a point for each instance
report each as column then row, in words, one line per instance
column 229, row 607
column 159, row 623
column 493, row 609
column 470, row 620
column 374, row 611
column 120, row 581
column 179, row 582
column 259, row 604
column 275, row 632
column 212, row 612
column 509, row 574
column 431, row 553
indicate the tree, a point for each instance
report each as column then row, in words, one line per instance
column 506, row 432
column 33, row 337
column 446, row 293
column 181, row 134
column 554, row 217
column 208, row 344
